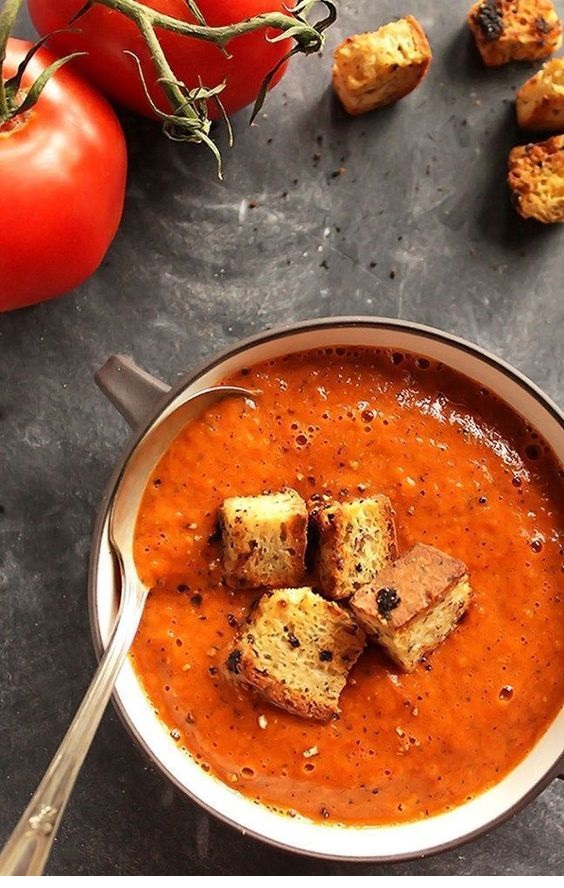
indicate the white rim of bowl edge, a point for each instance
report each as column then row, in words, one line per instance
column 189, row 379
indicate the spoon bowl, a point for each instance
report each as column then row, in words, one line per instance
column 137, row 471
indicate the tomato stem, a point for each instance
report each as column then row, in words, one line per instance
column 15, row 102
column 305, row 34
column 187, row 118
column 8, row 15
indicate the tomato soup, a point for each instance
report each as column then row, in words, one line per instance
column 464, row 473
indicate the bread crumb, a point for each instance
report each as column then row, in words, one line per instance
column 262, row 722
column 536, row 180
column 515, row 30
column 375, row 69
column 264, row 539
column 419, row 600
column 309, row 753
column 296, row 650
column 356, row 540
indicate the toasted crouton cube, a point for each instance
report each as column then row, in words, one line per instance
column 536, row 180
column 414, row 603
column 375, row 69
column 296, row 650
column 264, row 539
column 356, row 541
column 540, row 101
column 515, row 30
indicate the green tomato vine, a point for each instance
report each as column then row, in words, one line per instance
column 186, row 117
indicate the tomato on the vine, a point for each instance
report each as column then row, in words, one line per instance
column 104, row 34
column 63, row 167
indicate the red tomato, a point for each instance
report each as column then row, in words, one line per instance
column 105, row 34
column 62, row 170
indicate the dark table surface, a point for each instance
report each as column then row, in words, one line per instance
column 192, row 269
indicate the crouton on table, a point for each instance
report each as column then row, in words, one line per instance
column 296, row 650
column 378, row 68
column 515, row 30
column 264, row 539
column 536, row 180
column 540, row 101
column 414, row 603
column 356, row 540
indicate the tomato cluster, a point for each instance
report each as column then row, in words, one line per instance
column 63, row 162
column 104, row 35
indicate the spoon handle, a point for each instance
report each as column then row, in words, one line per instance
column 27, row 849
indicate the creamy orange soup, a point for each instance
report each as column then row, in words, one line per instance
column 464, row 473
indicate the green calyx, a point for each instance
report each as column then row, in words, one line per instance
column 14, row 101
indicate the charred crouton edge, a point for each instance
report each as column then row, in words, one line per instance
column 540, row 101
column 515, row 30
column 414, row 603
column 536, row 180
column 296, row 651
column 377, row 68
column 356, row 541
column 264, row 539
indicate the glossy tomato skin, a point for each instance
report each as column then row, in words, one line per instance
column 63, row 172
column 105, row 34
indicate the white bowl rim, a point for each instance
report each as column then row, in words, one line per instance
column 190, row 378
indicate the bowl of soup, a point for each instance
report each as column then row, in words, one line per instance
column 470, row 454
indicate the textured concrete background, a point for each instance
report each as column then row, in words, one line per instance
column 193, row 268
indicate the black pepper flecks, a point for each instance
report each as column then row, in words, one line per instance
column 387, row 599
column 234, row 661
column 542, row 26
column 489, row 19
column 215, row 536
column 293, row 641
column 196, row 599
column 325, row 656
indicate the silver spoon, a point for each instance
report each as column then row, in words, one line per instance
column 27, row 849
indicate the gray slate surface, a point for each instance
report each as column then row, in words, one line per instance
column 190, row 271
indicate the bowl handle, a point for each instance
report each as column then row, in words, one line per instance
column 132, row 391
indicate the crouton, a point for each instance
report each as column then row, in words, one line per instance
column 378, row 68
column 540, row 101
column 414, row 603
column 515, row 30
column 356, row 541
column 536, row 180
column 264, row 539
column 296, row 650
